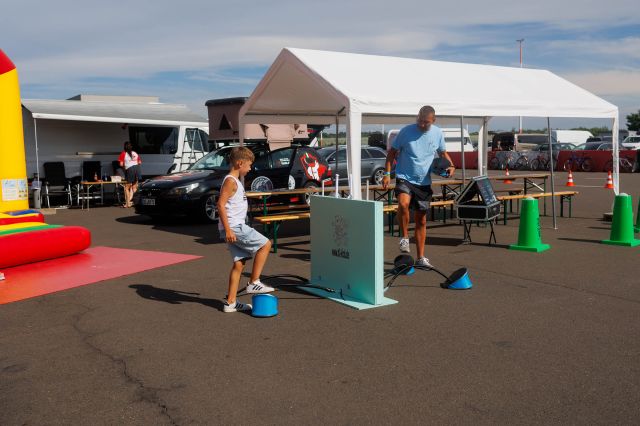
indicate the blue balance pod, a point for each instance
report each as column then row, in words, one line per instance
column 264, row 305
column 460, row 280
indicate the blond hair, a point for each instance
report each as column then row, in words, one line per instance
column 241, row 153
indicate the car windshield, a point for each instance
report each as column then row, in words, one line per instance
column 214, row 160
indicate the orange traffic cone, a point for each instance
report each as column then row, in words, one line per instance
column 609, row 184
column 570, row 179
column 507, row 174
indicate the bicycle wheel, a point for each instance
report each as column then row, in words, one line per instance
column 587, row 165
column 522, row 163
column 626, row 166
column 494, row 164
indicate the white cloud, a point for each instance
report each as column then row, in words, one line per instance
column 608, row 83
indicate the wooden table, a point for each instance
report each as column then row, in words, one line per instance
column 448, row 186
column 529, row 180
column 85, row 187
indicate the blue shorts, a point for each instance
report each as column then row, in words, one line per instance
column 248, row 242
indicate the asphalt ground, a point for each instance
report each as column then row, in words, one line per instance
column 548, row 338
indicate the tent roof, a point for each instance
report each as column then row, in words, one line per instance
column 113, row 112
column 312, row 82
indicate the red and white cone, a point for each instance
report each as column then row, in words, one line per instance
column 609, row 184
column 570, row 179
column 507, row 174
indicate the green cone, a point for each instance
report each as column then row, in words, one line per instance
column 529, row 232
column 637, row 227
column 622, row 225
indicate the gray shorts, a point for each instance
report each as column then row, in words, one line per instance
column 420, row 194
column 248, row 242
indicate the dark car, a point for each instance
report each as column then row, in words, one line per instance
column 561, row 146
column 372, row 160
column 194, row 192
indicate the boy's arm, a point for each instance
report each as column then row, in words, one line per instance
column 229, row 187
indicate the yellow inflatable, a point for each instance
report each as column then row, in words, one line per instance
column 14, row 190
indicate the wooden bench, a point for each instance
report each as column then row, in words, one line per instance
column 565, row 196
column 392, row 209
column 275, row 220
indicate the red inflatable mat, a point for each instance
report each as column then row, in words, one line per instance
column 37, row 245
column 91, row 266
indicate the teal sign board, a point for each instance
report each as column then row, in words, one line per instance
column 347, row 251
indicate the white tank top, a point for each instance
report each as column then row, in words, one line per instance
column 236, row 205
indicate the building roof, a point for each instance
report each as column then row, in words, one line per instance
column 113, row 112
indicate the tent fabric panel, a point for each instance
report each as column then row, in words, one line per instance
column 391, row 85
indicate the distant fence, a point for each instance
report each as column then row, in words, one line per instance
column 585, row 161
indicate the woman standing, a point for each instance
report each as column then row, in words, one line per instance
column 130, row 161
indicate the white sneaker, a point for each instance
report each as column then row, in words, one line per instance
column 236, row 307
column 258, row 287
column 404, row 245
column 424, row 262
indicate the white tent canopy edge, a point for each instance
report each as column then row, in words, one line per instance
column 322, row 87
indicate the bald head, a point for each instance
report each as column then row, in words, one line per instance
column 426, row 117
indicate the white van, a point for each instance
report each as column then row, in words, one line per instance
column 451, row 138
column 575, row 137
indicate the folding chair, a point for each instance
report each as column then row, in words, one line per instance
column 56, row 182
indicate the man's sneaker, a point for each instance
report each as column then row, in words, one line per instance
column 404, row 245
column 258, row 287
column 236, row 307
column 424, row 262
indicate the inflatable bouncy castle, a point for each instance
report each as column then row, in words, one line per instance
column 24, row 237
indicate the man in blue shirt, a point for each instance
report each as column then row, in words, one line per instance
column 414, row 149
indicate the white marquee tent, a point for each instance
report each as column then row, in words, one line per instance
column 323, row 87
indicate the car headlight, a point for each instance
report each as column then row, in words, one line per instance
column 182, row 190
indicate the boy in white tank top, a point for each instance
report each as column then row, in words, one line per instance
column 242, row 240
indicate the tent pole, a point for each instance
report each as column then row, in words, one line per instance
column 354, row 142
column 337, row 143
column 552, row 166
column 464, row 174
column 483, row 136
column 616, row 155
column 35, row 132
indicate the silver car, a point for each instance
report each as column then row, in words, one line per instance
column 372, row 162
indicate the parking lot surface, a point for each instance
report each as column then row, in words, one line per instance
column 548, row 338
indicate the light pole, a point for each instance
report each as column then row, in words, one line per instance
column 520, row 42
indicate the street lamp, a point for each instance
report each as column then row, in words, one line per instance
column 520, row 42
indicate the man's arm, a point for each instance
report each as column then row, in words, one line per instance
column 450, row 170
column 391, row 156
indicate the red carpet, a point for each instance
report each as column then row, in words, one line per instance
column 91, row 266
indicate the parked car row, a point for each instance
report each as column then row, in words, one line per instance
column 194, row 192
column 372, row 161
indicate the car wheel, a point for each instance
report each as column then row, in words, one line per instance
column 210, row 208
column 377, row 176
column 307, row 195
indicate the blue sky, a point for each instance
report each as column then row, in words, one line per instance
column 191, row 51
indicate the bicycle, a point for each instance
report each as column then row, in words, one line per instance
column 506, row 161
column 541, row 162
column 624, row 163
column 576, row 163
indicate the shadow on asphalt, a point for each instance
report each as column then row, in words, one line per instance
column 173, row 297
column 581, row 240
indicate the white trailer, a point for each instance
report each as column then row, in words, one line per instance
column 94, row 128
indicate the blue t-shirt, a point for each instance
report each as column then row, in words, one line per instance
column 416, row 150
